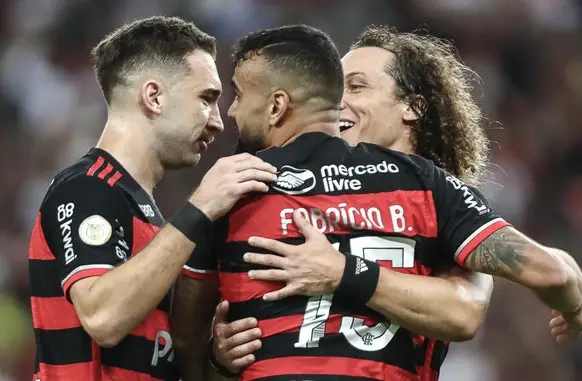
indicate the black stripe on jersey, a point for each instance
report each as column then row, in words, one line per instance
column 438, row 357
column 294, row 305
column 335, row 345
column 136, row 353
column 63, row 347
column 44, row 278
column 314, row 377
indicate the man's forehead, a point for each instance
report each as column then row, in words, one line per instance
column 367, row 60
column 251, row 70
column 203, row 68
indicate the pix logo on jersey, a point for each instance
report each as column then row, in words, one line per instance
column 291, row 180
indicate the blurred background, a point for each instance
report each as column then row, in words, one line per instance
column 528, row 53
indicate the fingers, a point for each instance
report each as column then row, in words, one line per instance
column 269, row 275
column 221, row 314
column 305, row 228
column 557, row 321
column 283, row 293
column 247, row 161
column 243, row 343
column 256, row 174
column 268, row 260
column 241, row 363
column 271, row 245
column 238, row 326
column 252, row 186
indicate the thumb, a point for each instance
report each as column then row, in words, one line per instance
column 221, row 315
column 305, row 228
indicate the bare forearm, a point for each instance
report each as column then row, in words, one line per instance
column 441, row 309
column 193, row 310
column 123, row 297
column 509, row 254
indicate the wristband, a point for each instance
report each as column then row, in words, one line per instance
column 193, row 223
column 218, row 367
column 359, row 280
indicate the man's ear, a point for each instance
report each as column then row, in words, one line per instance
column 151, row 94
column 279, row 106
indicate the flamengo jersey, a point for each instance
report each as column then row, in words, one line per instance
column 94, row 217
column 398, row 210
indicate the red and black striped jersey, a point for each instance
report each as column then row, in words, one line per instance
column 396, row 209
column 94, row 217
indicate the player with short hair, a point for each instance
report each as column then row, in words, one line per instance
column 99, row 279
column 272, row 110
column 388, row 75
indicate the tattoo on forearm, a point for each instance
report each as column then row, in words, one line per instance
column 501, row 253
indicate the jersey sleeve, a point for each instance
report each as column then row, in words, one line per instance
column 88, row 226
column 464, row 216
column 203, row 262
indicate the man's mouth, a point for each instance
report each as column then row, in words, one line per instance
column 345, row 125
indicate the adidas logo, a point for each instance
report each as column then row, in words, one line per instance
column 361, row 266
column 291, row 180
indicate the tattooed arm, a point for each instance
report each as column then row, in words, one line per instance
column 550, row 273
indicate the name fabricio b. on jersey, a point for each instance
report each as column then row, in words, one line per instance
column 340, row 177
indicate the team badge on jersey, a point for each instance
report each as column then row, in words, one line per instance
column 291, row 180
column 95, row 230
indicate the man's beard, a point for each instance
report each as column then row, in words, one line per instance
column 249, row 145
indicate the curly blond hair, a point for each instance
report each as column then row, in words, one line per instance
column 431, row 78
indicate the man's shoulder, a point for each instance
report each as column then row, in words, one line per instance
column 412, row 163
column 81, row 180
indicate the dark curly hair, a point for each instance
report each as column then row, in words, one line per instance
column 431, row 78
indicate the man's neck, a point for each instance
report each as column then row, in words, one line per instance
column 139, row 160
column 284, row 135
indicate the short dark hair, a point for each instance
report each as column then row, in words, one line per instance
column 449, row 130
column 152, row 42
column 303, row 52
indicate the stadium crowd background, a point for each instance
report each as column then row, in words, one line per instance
column 528, row 53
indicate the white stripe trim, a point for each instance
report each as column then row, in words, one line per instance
column 83, row 268
column 475, row 234
column 192, row 269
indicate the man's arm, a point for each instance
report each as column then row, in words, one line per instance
column 192, row 312
column 112, row 304
column 550, row 273
column 449, row 307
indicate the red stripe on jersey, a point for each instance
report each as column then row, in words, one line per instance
column 477, row 237
column 199, row 275
column 115, row 178
column 96, row 166
column 82, row 274
column 410, row 213
column 111, row 373
column 53, row 313
column 338, row 366
column 106, row 171
column 156, row 321
column 238, row 287
column 79, row 371
column 38, row 248
column 143, row 233
column 292, row 323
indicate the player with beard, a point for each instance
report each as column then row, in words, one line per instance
column 387, row 74
column 100, row 282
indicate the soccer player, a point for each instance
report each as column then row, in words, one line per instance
column 99, row 279
column 375, row 109
column 387, row 75
column 283, row 91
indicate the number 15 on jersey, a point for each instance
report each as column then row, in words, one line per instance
column 400, row 252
